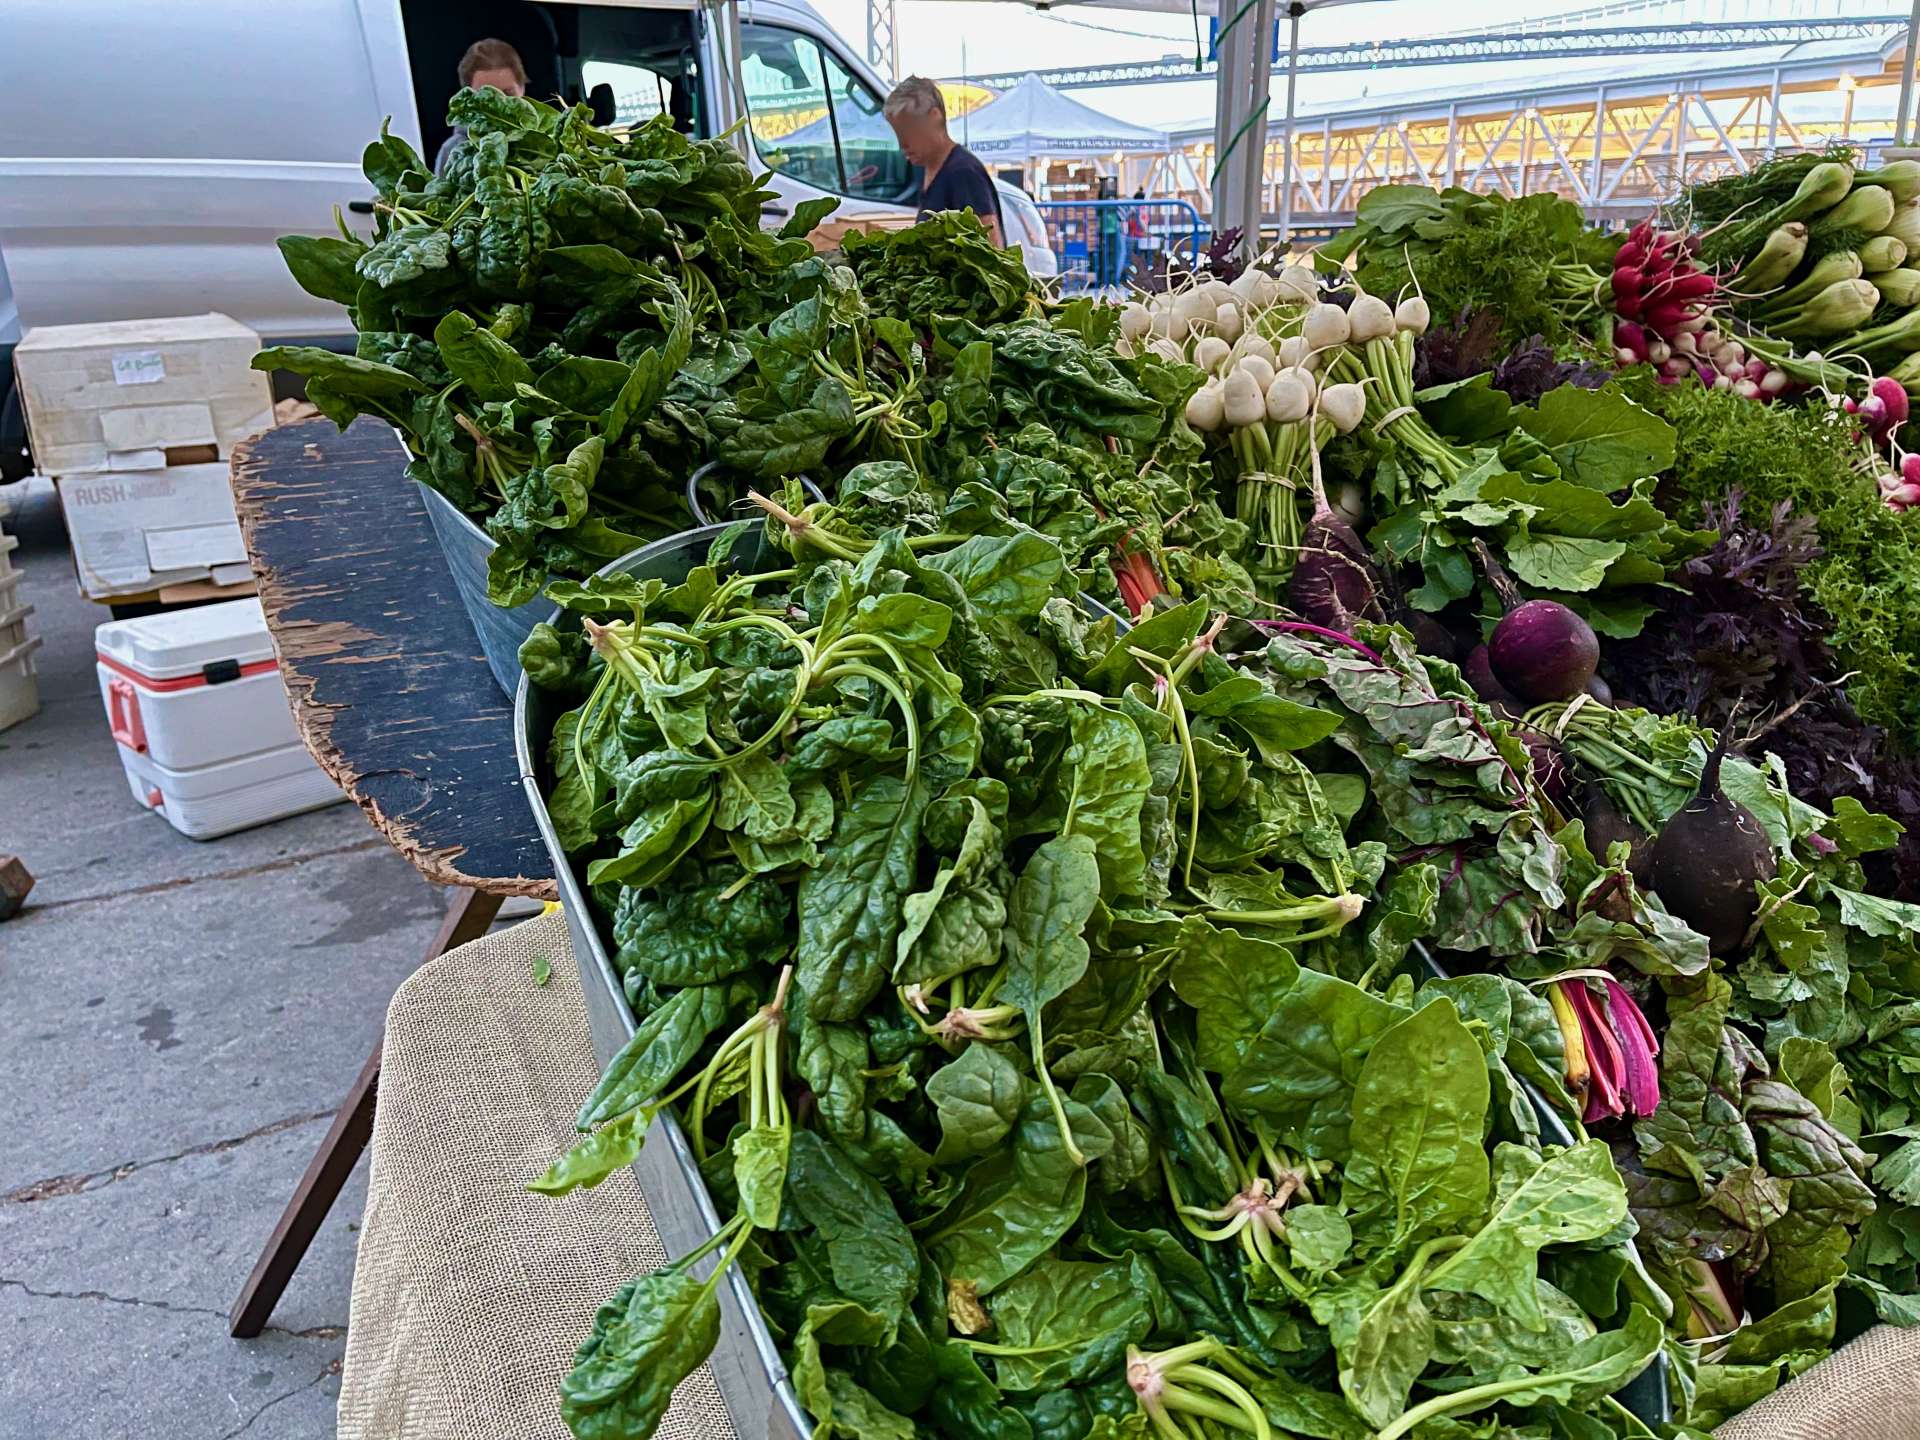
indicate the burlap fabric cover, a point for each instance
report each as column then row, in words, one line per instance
column 1868, row 1390
column 470, row 1293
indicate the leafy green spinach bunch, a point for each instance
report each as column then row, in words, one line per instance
column 547, row 322
column 990, row 957
column 945, row 265
column 1773, row 1185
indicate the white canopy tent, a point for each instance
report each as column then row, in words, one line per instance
column 1034, row 121
column 1244, row 94
column 1031, row 121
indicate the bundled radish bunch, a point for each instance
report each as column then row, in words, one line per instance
column 1377, row 353
column 1666, row 301
column 1879, row 417
column 1269, row 400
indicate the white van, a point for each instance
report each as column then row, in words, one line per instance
column 150, row 154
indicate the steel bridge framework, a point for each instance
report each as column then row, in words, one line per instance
column 1614, row 148
column 1573, row 42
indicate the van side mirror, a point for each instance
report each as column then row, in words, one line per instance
column 600, row 100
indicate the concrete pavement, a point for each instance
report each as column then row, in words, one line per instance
column 178, row 1021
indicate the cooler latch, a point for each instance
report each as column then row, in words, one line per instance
column 219, row 672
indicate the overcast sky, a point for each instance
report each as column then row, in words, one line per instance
column 945, row 38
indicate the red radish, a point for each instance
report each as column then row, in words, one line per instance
column 1905, row 497
column 1910, row 469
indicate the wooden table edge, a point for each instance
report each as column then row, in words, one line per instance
column 313, row 719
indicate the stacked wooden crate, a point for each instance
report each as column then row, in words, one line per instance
column 19, row 691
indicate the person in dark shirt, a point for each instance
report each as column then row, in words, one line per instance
column 487, row 64
column 952, row 178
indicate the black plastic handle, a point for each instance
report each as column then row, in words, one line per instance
column 700, row 516
column 360, row 207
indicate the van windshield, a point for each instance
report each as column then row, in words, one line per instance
column 815, row 121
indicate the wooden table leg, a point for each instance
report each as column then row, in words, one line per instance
column 467, row 919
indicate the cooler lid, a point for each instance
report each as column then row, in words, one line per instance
column 183, row 642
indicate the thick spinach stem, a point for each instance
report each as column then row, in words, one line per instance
column 1039, row 1048
column 756, row 1035
column 1170, row 1384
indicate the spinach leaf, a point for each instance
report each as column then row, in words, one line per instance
column 871, row 1253
column 652, row 1334
column 1567, row 1197
column 1419, row 1115
column 850, row 904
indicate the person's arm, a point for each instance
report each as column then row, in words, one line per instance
column 980, row 197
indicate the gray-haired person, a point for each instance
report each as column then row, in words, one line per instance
column 951, row 178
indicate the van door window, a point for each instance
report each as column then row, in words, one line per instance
column 639, row 94
column 816, row 122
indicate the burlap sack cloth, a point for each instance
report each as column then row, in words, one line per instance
column 470, row 1293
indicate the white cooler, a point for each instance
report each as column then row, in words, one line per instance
column 195, row 702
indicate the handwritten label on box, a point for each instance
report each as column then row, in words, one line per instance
column 139, row 367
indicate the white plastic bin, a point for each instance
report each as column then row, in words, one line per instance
column 195, row 703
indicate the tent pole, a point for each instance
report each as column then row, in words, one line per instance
column 1906, row 77
column 1259, row 101
column 1228, row 84
column 1286, row 159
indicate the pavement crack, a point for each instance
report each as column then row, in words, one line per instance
column 53, row 1186
column 243, row 872
column 333, row 1369
column 101, row 1297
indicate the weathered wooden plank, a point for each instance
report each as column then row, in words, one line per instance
column 387, row 682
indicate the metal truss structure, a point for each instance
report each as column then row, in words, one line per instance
column 1615, row 148
column 883, row 40
column 1614, row 41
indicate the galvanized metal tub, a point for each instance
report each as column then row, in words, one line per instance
column 746, row 1363
column 501, row 630
column 467, row 547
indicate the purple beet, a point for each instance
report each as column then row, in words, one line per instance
column 1542, row 651
column 1707, row 859
column 1479, row 675
column 1334, row 583
column 1433, row 638
column 1600, row 690
column 1550, row 770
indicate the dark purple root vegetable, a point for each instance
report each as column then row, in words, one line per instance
column 1605, row 825
column 1550, row 770
column 1600, row 690
column 1479, row 675
column 1707, row 859
column 1542, row 651
column 1433, row 638
column 1334, row 583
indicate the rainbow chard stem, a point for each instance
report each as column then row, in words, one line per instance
column 1619, row 1048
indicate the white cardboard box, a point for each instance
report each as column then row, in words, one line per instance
column 135, row 389
column 134, row 531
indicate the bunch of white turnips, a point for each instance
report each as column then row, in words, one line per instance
column 1285, row 372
